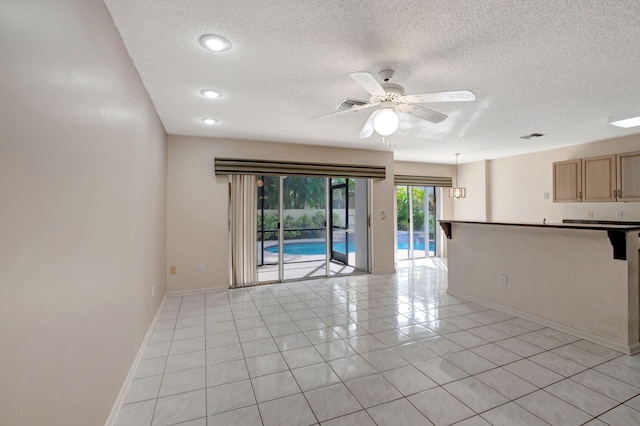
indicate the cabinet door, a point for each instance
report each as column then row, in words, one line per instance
column 599, row 178
column 567, row 181
column 629, row 176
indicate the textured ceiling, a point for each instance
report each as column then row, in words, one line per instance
column 558, row 67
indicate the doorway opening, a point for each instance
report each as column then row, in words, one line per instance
column 416, row 234
column 311, row 227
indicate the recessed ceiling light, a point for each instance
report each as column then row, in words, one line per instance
column 209, row 121
column 626, row 121
column 210, row 93
column 215, row 43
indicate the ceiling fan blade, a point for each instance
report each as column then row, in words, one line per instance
column 450, row 96
column 344, row 111
column 367, row 129
column 422, row 113
column 368, row 82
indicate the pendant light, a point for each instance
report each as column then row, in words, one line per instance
column 456, row 191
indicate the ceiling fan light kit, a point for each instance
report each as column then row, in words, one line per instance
column 392, row 103
column 386, row 122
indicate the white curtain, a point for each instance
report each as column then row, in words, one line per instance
column 244, row 204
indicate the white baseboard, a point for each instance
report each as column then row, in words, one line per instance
column 626, row 349
column 115, row 410
column 197, row 291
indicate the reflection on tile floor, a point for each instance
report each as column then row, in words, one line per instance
column 370, row 349
column 299, row 270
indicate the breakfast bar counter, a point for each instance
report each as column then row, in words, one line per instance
column 580, row 278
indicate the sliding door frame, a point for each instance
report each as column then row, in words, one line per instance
column 328, row 229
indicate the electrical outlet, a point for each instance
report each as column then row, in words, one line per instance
column 172, row 270
column 546, row 195
column 503, row 280
column 201, row 267
column 618, row 215
column 590, row 214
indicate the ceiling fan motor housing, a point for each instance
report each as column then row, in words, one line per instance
column 391, row 88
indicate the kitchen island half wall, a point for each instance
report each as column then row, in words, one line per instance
column 578, row 278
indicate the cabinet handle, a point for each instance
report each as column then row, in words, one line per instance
column 619, row 193
column 614, row 193
column 580, row 195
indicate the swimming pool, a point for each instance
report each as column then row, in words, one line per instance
column 310, row 248
column 418, row 242
column 417, row 245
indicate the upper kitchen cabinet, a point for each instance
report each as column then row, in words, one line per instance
column 567, row 181
column 628, row 176
column 599, row 178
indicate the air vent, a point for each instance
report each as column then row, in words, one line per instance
column 348, row 104
column 532, row 135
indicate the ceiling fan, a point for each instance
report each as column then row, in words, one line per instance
column 391, row 100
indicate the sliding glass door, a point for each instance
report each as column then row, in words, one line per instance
column 268, row 228
column 340, row 220
column 299, row 215
column 431, row 221
column 304, row 227
column 416, row 218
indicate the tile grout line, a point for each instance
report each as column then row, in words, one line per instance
column 155, row 407
column 206, row 370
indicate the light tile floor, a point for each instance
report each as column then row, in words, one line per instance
column 366, row 350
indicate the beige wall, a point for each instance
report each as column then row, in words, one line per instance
column 197, row 204
column 82, row 212
column 473, row 177
column 517, row 185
